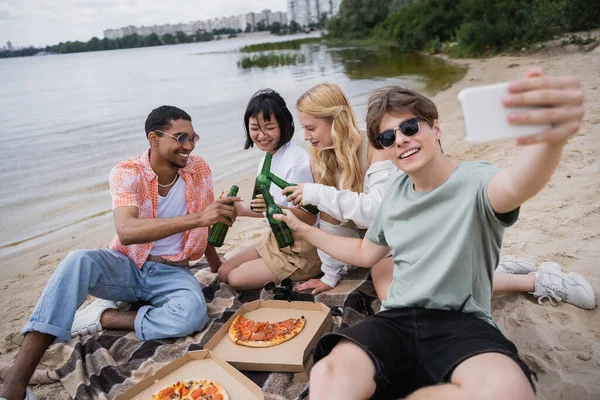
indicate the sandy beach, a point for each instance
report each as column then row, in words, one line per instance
column 562, row 224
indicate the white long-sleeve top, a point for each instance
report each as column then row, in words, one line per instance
column 346, row 205
column 352, row 209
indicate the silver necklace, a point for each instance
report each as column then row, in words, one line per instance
column 170, row 184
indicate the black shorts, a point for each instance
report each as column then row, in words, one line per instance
column 415, row 347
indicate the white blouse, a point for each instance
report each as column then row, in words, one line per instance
column 292, row 164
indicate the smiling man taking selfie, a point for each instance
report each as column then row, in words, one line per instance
column 443, row 221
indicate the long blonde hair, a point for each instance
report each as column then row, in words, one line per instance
column 329, row 102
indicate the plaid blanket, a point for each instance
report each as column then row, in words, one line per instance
column 104, row 365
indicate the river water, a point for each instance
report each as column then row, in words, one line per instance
column 65, row 120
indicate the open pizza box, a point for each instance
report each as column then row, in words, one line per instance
column 201, row 364
column 290, row 356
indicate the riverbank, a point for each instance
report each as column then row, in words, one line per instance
column 562, row 344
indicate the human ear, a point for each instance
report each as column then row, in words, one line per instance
column 437, row 130
column 153, row 139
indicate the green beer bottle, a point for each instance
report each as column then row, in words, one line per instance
column 219, row 230
column 263, row 177
column 283, row 184
column 282, row 232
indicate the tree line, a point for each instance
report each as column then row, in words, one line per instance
column 125, row 42
column 135, row 40
column 473, row 27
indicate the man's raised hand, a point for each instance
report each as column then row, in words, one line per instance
column 562, row 98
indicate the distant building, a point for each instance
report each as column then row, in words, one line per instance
column 239, row 22
column 305, row 12
column 278, row 17
column 111, row 34
column 9, row 46
column 299, row 11
column 251, row 19
column 200, row 26
column 261, row 17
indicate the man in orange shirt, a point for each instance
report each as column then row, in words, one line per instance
column 163, row 205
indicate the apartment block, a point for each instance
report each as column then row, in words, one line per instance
column 239, row 22
column 305, row 12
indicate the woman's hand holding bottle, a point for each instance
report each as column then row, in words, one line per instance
column 294, row 194
column 258, row 204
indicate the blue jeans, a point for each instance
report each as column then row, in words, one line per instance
column 177, row 305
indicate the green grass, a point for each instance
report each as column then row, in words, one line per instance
column 270, row 60
column 373, row 43
column 287, row 45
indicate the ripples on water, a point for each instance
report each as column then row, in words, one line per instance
column 67, row 119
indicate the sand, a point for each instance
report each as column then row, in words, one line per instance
column 562, row 224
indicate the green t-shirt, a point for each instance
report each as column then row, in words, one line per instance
column 445, row 242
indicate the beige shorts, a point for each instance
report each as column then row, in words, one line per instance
column 298, row 262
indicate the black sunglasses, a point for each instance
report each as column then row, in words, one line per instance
column 181, row 137
column 410, row 127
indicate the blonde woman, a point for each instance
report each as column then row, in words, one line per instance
column 351, row 175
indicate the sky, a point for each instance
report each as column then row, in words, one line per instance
column 47, row 22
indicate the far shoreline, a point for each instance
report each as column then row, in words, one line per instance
column 239, row 36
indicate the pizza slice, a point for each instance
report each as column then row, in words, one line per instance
column 192, row 390
column 247, row 332
column 169, row 392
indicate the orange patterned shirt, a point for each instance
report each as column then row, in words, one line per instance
column 134, row 183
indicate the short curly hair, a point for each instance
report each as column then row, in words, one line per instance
column 161, row 117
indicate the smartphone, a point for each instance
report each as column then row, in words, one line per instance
column 486, row 118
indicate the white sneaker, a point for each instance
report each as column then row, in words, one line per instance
column 29, row 394
column 516, row 266
column 87, row 320
column 553, row 284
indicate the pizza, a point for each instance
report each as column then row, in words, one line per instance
column 247, row 332
column 192, row 390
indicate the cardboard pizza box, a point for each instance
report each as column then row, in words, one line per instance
column 201, row 364
column 290, row 356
